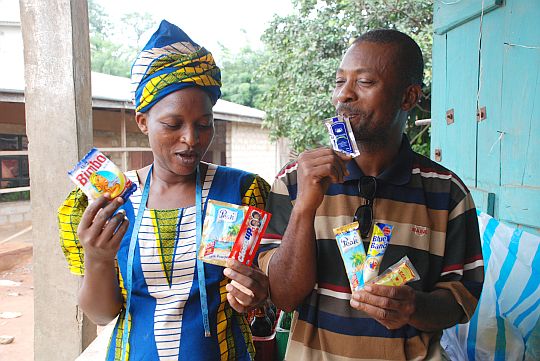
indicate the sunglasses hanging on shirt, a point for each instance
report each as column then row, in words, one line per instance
column 367, row 187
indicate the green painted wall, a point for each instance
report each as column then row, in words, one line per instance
column 491, row 59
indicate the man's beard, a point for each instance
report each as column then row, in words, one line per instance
column 368, row 136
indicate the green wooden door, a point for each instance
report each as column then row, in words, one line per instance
column 490, row 59
column 520, row 159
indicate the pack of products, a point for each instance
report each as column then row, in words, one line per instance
column 96, row 174
column 352, row 252
column 363, row 268
column 248, row 239
column 231, row 231
column 398, row 274
column 341, row 135
column 380, row 238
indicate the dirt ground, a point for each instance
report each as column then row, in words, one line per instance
column 18, row 299
column 16, row 266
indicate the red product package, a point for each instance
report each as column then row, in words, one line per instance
column 248, row 239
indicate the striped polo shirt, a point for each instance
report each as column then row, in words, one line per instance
column 434, row 224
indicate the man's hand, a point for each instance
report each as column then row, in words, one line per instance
column 293, row 266
column 318, row 168
column 249, row 286
column 393, row 307
column 100, row 232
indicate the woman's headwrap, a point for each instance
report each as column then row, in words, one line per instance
column 171, row 61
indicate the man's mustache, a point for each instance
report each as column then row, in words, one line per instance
column 347, row 109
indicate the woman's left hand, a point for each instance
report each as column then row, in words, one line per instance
column 248, row 288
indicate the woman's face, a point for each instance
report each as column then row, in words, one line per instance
column 180, row 128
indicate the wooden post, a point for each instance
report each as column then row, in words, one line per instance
column 59, row 128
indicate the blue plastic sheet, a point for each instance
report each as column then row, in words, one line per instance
column 506, row 324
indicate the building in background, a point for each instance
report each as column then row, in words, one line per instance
column 240, row 141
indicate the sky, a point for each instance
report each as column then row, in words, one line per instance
column 232, row 23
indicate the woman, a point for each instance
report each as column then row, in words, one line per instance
column 138, row 257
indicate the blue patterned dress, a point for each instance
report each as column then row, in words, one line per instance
column 165, row 320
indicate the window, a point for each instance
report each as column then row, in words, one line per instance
column 14, row 167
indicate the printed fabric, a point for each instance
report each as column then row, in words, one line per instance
column 165, row 320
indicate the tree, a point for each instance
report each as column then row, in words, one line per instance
column 241, row 77
column 137, row 24
column 304, row 50
column 111, row 58
column 98, row 19
column 108, row 56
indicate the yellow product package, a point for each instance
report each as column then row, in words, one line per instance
column 398, row 274
column 380, row 238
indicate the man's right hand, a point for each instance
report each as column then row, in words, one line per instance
column 318, row 168
column 292, row 269
column 100, row 232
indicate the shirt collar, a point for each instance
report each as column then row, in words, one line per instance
column 399, row 171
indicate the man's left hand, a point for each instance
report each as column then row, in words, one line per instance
column 248, row 288
column 392, row 306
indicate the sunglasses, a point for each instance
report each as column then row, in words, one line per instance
column 367, row 187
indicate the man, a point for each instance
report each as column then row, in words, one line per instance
column 431, row 211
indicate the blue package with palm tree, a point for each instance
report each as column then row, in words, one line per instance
column 222, row 224
column 352, row 252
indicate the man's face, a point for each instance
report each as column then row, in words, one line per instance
column 369, row 91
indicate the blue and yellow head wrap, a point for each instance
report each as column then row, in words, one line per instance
column 171, row 61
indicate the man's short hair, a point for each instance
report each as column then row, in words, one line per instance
column 410, row 60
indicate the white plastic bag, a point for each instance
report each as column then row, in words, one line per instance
column 506, row 324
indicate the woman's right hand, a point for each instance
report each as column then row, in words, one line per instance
column 100, row 232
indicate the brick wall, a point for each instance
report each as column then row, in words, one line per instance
column 249, row 148
column 241, row 145
column 15, row 212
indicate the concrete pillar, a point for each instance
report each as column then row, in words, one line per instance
column 228, row 143
column 123, row 140
column 59, row 129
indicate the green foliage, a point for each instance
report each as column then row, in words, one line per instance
column 108, row 56
column 303, row 51
column 99, row 21
column 111, row 58
column 137, row 24
column 240, row 75
column 422, row 148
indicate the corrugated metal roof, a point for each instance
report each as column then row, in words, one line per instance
column 109, row 91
